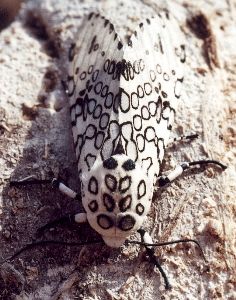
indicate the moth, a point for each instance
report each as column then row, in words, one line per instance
column 122, row 103
column 123, row 98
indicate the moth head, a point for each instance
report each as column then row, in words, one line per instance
column 117, row 196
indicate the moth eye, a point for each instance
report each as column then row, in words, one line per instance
column 104, row 221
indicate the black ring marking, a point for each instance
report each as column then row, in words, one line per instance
column 147, row 88
column 93, row 206
column 97, row 111
column 104, row 120
column 152, row 75
column 137, row 121
column 124, row 184
column 95, row 75
column 93, row 185
column 104, row 221
column 126, row 223
column 141, row 189
column 125, row 203
column 139, row 209
column 83, row 75
column 108, row 202
column 111, row 182
column 109, row 100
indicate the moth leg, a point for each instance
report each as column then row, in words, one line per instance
column 183, row 138
column 56, row 183
column 70, row 218
column 146, row 238
column 65, row 189
column 80, row 218
column 164, row 180
column 67, row 219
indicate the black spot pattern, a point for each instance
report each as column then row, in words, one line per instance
column 109, row 100
column 104, row 120
column 119, row 149
column 93, row 206
column 137, row 121
column 110, row 163
column 119, row 46
column 126, row 223
column 128, row 165
column 141, row 189
column 139, row 209
column 111, row 182
column 120, row 104
column 124, row 184
column 99, row 140
column 125, row 203
column 90, row 159
column 93, row 186
column 104, row 221
column 108, row 202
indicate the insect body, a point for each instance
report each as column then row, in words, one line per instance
column 122, row 103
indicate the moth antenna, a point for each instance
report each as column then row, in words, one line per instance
column 207, row 161
column 170, row 243
column 28, row 181
column 153, row 258
column 48, row 242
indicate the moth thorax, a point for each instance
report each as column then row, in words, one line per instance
column 117, row 197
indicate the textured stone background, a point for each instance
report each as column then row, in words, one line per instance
column 35, row 138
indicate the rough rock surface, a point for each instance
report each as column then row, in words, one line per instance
column 35, row 139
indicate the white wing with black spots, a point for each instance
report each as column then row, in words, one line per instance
column 123, row 98
column 122, row 102
column 93, row 88
column 154, row 57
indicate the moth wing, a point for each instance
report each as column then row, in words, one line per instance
column 93, row 86
column 151, row 89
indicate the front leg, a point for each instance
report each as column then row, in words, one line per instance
column 70, row 218
column 65, row 189
column 182, row 138
column 56, row 183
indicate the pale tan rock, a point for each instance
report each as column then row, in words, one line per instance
column 36, row 131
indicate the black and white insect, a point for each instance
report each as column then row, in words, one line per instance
column 123, row 99
column 122, row 103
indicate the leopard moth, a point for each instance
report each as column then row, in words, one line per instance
column 122, row 103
